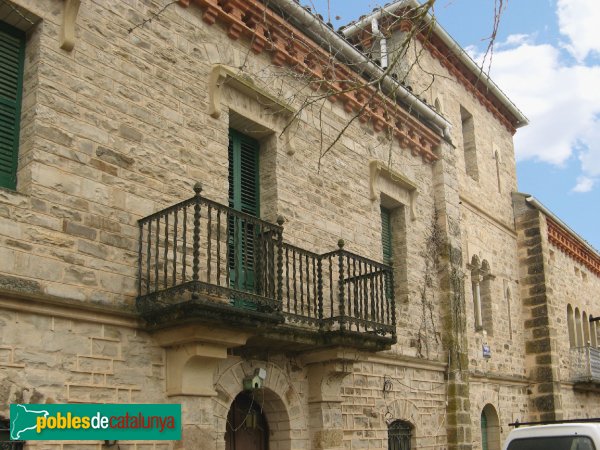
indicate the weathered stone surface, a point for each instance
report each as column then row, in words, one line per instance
column 79, row 230
column 19, row 284
column 112, row 157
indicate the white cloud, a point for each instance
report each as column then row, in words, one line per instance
column 578, row 20
column 560, row 101
column 584, row 184
column 514, row 39
column 560, row 96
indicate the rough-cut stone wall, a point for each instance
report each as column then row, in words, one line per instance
column 119, row 128
column 572, row 283
column 541, row 356
column 62, row 355
column 487, row 231
column 415, row 391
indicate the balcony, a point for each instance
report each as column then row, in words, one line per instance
column 585, row 366
column 204, row 262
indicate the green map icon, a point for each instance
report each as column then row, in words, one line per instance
column 23, row 419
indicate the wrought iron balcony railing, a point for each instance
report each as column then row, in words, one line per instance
column 201, row 252
column 585, row 365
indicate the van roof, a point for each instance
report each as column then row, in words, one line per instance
column 557, row 429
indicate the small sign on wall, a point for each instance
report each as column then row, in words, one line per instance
column 487, row 352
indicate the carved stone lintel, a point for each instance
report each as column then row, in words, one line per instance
column 221, row 76
column 67, row 31
column 379, row 169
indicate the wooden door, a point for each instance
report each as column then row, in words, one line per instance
column 246, row 425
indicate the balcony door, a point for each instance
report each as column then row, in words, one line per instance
column 244, row 197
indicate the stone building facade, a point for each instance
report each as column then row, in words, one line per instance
column 137, row 158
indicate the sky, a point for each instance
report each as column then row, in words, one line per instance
column 547, row 60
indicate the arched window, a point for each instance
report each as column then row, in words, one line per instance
column 487, row 318
column 497, row 158
column 490, row 428
column 593, row 333
column 571, row 326
column 399, row 435
column 476, row 289
column 586, row 329
column 578, row 328
column 508, row 302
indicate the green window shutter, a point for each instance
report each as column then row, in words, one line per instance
column 243, row 173
column 12, row 51
column 243, row 196
column 386, row 235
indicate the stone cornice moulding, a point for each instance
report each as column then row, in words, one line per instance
column 289, row 47
column 569, row 245
column 380, row 169
column 221, row 76
column 67, row 30
column 50, row 306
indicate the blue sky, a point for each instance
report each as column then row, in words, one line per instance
column 547, row 60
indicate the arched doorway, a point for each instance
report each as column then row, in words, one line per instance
column 247, row 427
column 490, row 428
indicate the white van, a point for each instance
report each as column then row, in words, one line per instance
column 558, row 436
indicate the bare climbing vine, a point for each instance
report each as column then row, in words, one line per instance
column 434, row 242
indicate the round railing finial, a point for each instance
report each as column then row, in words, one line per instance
column 280, row 220
column 198, row 188
column 341, row 243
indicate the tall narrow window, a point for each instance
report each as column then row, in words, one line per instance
column 586, row 329
column 487, row 318
column 399, row 435
column 508, row 310
column 469, row 147
column 243, row 196
column 497, row 158
column 386, row 244
column 386, row 235
column 476, row 290
column 12, row 50
column 571, row 326
column 578, row 328
column 593, row 332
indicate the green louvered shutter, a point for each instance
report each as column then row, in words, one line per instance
column 12, row 50
column 243, row 196
column 386, row 235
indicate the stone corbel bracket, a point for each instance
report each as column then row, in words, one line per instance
column 380, row 169
column 193, row 353
column 221, row 76
column 326, row 371
column 67, row 31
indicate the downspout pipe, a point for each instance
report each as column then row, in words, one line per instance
column 329, row 39
column 382, row 43
column 451, row 43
